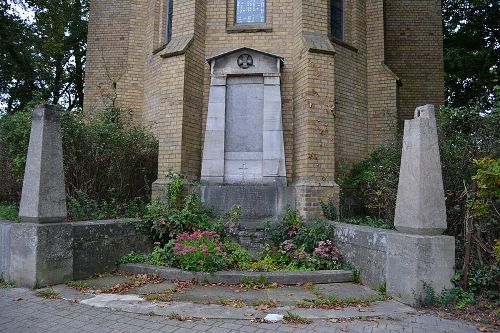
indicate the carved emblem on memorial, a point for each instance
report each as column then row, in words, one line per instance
column 245, row 60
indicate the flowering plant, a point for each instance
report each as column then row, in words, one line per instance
column 327, row 254
column 200, row 251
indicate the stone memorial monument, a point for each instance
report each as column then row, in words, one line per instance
column 243, row 156
column 41, row 246
column 418, row 253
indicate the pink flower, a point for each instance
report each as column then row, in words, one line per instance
column 292, row 233
column 287, row 245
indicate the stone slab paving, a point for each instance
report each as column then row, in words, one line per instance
column 216, row 294
column 21, row 311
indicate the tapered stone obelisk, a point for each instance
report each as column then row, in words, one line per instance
column 420, row 205
column 418, row 254
column 41, row 248
column 43, row 198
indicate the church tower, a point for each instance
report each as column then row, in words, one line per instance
column 271, row 94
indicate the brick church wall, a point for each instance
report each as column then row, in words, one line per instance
column 336, row 105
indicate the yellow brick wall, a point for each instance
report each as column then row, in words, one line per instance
column 414, row 51
column 336, row 107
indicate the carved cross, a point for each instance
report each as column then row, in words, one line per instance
column 245, row 61
column 243, row 168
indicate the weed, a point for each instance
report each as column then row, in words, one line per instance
column 151, row 313
column 356, row 277
column 4, row 284
column 47, row 293
column 176, row 316
column 292, row 318
column 78, row 285
column 250, row 282
column 234, row 303
column 8, row 212
column 382, row 288
column 265, row 304
column 332, row 302
column 158, row 297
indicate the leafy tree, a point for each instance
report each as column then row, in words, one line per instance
column 18, row 74
column 44, row 57
column 471, row 51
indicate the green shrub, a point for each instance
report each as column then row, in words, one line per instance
column 374, row 181
column 329, row 209
column 102, row 153
column 199, row 252
column 369, row 221
column 8, row 212
column 306, row 235
column 181, row 210
column 237, row 257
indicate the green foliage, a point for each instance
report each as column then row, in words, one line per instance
column 180, row 210
column 496, row 249
column 4, row 284
column 369, row 221
column 109, row 164
column 292, row 318
column 8, row 212
column 298, row 246
column 487, row 195
column 306, row 235
column 250, row 282
column 47, row 293
column 132, row 258
column 43, row 58
column 471, row 52
column 382, row 288
column 329, row 209
column 82, row 207
column 374, row 181
column 237, row 257
column 199, row 252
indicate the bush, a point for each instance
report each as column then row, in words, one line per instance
column 199, row 252
column 291, row 227
column 374, row 181
column 102, row 153
column 8, row 212
column 298, row 246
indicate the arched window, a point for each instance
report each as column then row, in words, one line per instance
column 250, row 11
column 169, row 12
column 337, row 19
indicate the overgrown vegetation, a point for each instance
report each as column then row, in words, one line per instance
column 47, row 293
column 188, row 235
column 293, row 318
column 4, row 284
column 109, row 163
column 8, row 211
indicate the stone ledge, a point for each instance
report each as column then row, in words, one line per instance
column 239, row 28
column 235, row 277
column 177, row 46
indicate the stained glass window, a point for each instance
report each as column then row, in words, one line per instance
column 169, row 15
column 337, row 19
column 250, row 11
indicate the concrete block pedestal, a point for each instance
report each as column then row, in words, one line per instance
column 413, row 260
column 41, row 254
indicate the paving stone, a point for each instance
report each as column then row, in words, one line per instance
column 28, row 314
column 345, row 290
column 152, row 288
column 106, row 282
column 285, row 296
